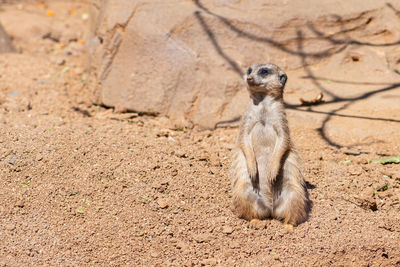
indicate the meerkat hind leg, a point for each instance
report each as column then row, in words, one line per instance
column 291, row 204
column 247, row 201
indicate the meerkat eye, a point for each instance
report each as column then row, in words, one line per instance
column 264, row 72
column 249, row 70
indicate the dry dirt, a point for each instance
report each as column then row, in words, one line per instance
column 83, row 186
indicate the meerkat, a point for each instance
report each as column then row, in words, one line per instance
column 266, row 172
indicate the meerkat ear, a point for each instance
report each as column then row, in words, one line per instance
column 282, row 78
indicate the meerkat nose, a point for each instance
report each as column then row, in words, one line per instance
column 250, row 79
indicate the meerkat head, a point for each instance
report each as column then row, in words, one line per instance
column 265, row 78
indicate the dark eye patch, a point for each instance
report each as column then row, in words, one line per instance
column 264, row 72
column 249, row 70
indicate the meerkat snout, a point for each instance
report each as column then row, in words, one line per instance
column 250, row 80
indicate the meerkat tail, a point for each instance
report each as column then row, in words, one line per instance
column 247, row 202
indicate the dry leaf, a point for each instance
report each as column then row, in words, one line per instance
column 318, row 100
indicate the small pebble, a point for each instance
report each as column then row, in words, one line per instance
column 85, row 16
column 10, row 226
column 201, row 238
column 155, row 254
column 19, row 203
column 210, row 261
column 227, row 230
column 79, row 71
column 13, row 160
column 174, row 172
column 162, row 203
column 276, row 257
column 14, row 93
column 181, row 245
column 180, row 153
column 234, row 244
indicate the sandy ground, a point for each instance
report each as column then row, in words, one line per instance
column 83, row 186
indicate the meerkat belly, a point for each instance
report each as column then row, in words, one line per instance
column 263, row 141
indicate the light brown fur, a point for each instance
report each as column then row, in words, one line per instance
column 267, row 179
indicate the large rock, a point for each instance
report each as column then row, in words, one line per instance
column 184, row 59
column 6, row 45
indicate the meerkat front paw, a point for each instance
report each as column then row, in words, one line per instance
column 272, row 172
column 257, row 224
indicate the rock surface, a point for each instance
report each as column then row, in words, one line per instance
column 6, row 45
column 185, row 59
